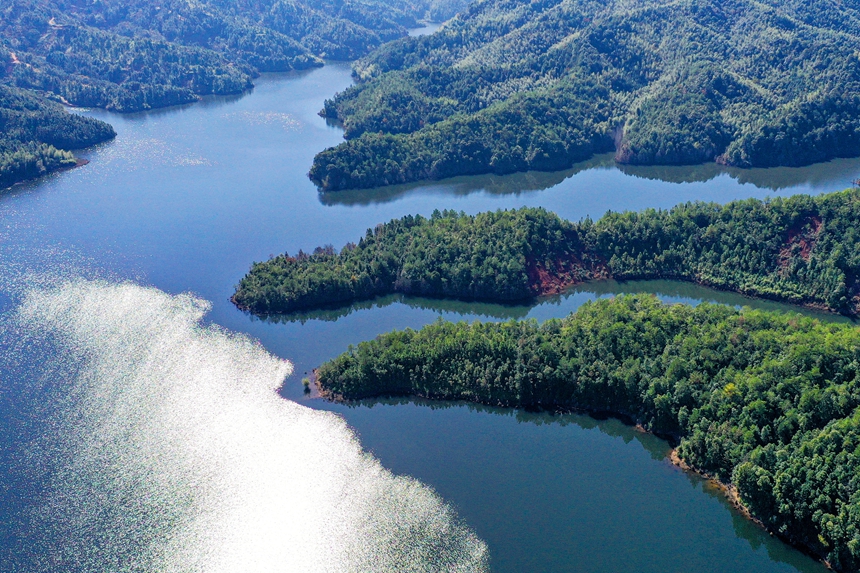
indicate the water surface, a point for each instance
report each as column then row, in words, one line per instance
column 186, row 198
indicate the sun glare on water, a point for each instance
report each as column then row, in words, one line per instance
column 177, row 454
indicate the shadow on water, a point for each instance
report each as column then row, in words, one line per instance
column 669, row 291
column 756, row 535
column 838, row 172
column 656, row 447
column 191, row 232
column 441, row 305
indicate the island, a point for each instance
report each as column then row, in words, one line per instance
column 765, row 402
column 803, row 250
column 516, row 86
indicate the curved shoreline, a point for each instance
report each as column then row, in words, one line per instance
column 726, row 489
column 733, row 497
column 785, row 250
column 736, row 391
column 322, row 187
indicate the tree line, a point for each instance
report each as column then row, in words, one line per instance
column 765, row 401
column 801, row 249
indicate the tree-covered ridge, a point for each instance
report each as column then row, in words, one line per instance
column 804, row 250
column 508, row 83
column 131, row 55
column 766, row 401
column 487, row 256
column 36, row 135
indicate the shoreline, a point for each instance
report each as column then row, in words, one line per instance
column 79, row 162
column 556, row 288
column 722, row 166
column 727, row 489
column 731, row 494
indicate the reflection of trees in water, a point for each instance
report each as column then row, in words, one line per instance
column 757, row 537
column 512, row 184
column 657, row 448
column 837, row 173
column 668, row 290
column 691, row 293
column 441, row 305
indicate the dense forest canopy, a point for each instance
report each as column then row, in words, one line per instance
column 804, row 250
column 130, row 55
column 513, row 85
column 36, row 135
column 764, row 400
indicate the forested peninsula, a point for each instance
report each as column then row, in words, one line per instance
column 765, row 401
column 36, row 135
column 803, row 250
column 513, row 86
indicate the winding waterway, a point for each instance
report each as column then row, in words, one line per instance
column 134, row 437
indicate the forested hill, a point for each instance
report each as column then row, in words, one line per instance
column 131, row 55
column 36, row 135
column 513, row 85
column 803, row 250
column 767, row 401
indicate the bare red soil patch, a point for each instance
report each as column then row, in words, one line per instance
column 803, row 235
column 564, row 274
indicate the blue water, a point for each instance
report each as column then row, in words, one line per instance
column 185, row 199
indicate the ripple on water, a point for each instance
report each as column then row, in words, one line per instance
column 265, row 118
column 147, row 153
column 173, row 452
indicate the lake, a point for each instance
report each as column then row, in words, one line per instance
column 135, row 439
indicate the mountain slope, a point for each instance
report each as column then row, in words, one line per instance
column 131, row 55
column 510, row 85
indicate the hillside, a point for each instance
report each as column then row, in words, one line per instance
column 134, row 55
column 510, row 85
column 131, row 55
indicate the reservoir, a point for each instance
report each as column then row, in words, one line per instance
column 139, row 432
